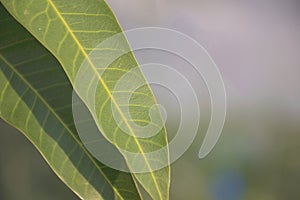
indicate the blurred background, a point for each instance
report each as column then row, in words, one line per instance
column 256, row 45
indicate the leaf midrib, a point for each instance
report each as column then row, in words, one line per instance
column 105, row 88
column 63, row 124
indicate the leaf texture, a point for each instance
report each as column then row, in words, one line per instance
column 36, row 98
column 71, row 30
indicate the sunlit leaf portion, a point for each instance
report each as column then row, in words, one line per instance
column 71, row 30
column 36, row 98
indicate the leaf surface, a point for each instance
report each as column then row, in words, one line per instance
column 71, row 30
column 36, row 98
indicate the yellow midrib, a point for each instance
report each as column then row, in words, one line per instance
column 105, row 88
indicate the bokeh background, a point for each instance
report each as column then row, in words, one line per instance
column 256, row 45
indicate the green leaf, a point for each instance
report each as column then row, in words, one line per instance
column 36, row 98
column 71, row 30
